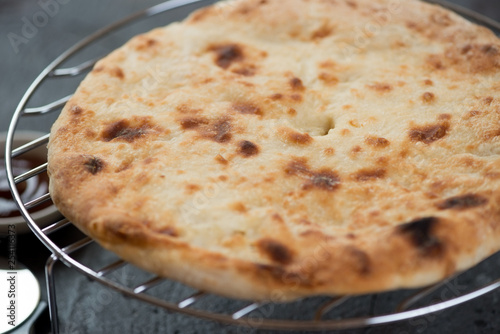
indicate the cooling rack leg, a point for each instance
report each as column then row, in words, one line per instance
column 51, row 293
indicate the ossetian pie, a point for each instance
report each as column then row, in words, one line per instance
column 267, row 151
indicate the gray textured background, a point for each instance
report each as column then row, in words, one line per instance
column 86, row 307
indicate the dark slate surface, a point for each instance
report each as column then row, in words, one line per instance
column 87, row 307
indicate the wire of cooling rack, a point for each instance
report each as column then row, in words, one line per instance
column 239, row 316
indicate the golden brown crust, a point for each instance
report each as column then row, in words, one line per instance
column 264, row 151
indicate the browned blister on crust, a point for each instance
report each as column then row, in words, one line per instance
column 271, row 152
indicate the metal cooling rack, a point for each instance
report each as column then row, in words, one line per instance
column 409, row 305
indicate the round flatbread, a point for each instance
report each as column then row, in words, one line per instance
column 264, row 150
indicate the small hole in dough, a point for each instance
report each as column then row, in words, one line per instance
column 318, row 127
